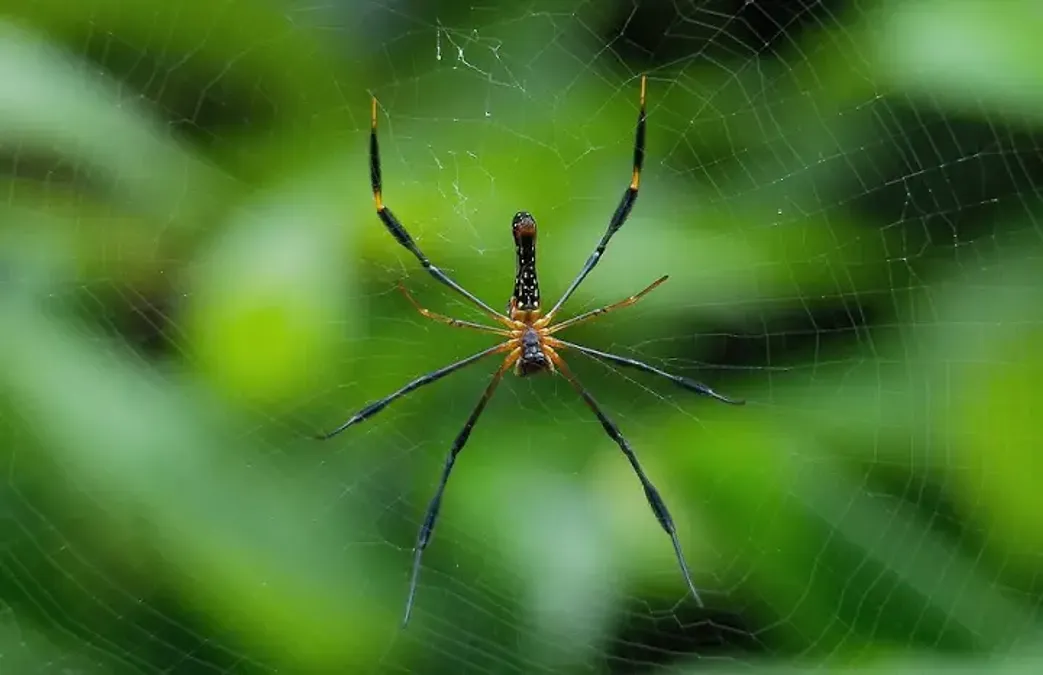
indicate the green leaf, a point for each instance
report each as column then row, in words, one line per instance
column 272, row 285
column 236, row 540
column 53, row 104
column 975, row 56
column 846, row 568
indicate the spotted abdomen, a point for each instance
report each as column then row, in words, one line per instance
column 526, row 295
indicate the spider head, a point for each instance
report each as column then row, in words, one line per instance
column 533, row 360
column 524, row 226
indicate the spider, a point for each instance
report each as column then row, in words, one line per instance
column 530, row 345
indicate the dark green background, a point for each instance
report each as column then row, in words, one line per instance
column 846, row 196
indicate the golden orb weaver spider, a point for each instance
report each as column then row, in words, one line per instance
column 530, row 344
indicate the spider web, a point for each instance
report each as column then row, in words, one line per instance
column 195, row 281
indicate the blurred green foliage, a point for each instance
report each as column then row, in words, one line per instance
column 192, row 280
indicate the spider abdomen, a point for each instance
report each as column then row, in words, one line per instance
column 526, row 296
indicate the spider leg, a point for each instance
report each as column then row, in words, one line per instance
column 606, row 309
column 690, row 385
column 622, row 210
column 431, row 516
column 456, row 323
column 651, row 493
column 399, row 232
column 376, row 406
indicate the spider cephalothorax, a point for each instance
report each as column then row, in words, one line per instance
column 533, row 357
column 530, row 345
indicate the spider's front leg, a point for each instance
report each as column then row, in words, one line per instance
column 655, row 500
column 433, row 507
column 398, row 231
column 626, row 203
column 374, row 407
column 684, row 382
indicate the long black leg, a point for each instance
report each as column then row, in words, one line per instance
column 399, row 232
column 690, row 385
column 376, row 406
column 424, row 536
column 622, row 211
column 651, row 493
